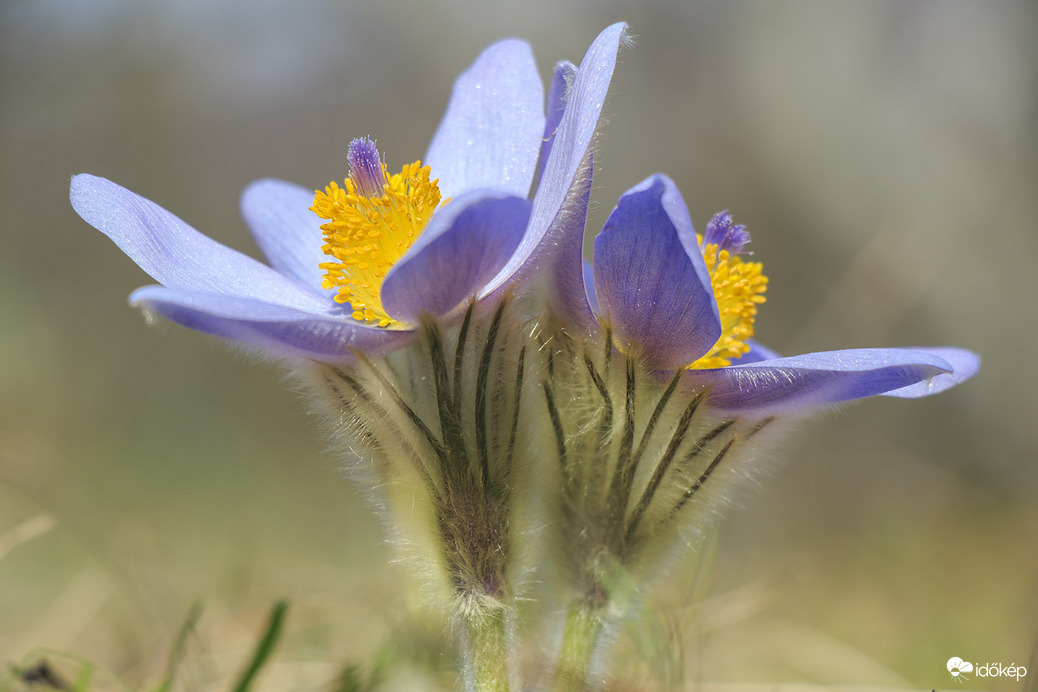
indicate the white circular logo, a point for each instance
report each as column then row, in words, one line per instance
column 956, row 666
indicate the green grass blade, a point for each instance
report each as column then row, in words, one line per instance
column 176, row 652
column 265, row 647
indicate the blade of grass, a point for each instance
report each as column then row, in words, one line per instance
column 83, row 680
column 265, row 647
column 176, row 652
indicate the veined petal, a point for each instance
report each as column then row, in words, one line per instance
column 490, row 135
column 798, row 384
column 562, row 267
column 274, row 329
column 569, row 149
column 650, row 278
column 557, row 263
column 178, row 256
column 465, row 244
column 558, row 260
column 965, row 365
column 287, row 232
column 558, row 92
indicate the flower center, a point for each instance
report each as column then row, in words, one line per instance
column 738, row 288
column 372, row 221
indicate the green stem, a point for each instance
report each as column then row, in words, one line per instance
column 583, row 627
column 488, row 650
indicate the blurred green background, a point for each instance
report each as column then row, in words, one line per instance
column 883, row 154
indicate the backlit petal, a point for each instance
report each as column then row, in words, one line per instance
column 558, row 92
column 177, row 255
column 465, row 244
column 287, row 232
column 275, row 330
column 569, row 149
column 490, row 135
column 652, row 285
column 965, row 365
column 798, row 385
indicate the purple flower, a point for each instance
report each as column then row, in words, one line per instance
column 484, row 156
column 495, row 348
column 674, row 299
column 660, row 290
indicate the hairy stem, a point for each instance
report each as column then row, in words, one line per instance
column 488, row 650
column 583, row 627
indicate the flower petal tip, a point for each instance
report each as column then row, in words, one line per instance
column 962, row 365
column 800, row 385
column 491, row 133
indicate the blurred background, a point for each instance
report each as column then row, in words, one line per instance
column 882, row 154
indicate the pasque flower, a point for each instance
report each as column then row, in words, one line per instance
column 484, row 156
column 657, row 423
column 650, row 278
column 454, row 335
column 685, row 303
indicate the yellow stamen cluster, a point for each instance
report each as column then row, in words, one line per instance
column 739, row 288
column 368, row 235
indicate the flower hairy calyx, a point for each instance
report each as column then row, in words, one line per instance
column 372, row 221
column 738, row 289
column 439, row 423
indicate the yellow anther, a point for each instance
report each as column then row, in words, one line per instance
column 368, row 235
column 739, row 288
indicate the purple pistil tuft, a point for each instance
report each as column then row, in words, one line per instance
column 365, row 167
column 725, row 234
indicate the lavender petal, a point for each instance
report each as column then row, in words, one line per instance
column 798, row 385
column 275, row 330
column 177, row 255
column 465, row 244
column 491, row 133
column 650, row 278
column 287, row 232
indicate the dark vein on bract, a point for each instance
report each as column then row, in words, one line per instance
column 415, row 419
column 620, row 484
column 379, row 411
column 712, row 467
column 704, row 476
column 606, row 423
column 450, row 425
column 481, row 395
column 661, row 468
column 757, row 428
column 556, row 423
column 348, row 407
column 703, row 442
column 650, row 427
column 459, row 355
column 515, row 408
